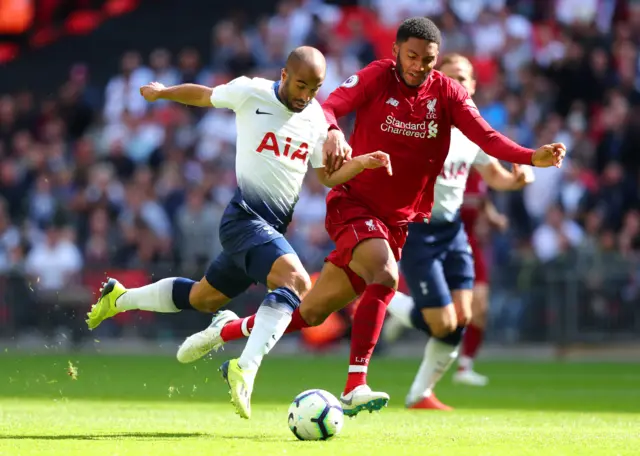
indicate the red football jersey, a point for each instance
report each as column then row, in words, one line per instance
column 413, row 126
column 475, row 192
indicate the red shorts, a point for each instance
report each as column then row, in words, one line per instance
column 479, row 261
column 349, row 223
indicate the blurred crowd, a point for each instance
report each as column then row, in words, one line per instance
column 94, row 178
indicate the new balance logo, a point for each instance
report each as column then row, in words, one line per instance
column 433, row 129
column 393, row 102
column 263, row 112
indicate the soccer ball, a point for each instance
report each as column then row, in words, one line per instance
column 315, row 415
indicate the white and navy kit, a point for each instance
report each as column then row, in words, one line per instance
column 273, row 150
column 437, row 256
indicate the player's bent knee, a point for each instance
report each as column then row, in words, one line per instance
column 388, row 276
column 464, row 315
column 462, row 304
column 303, row 284
column 454, row 337
column 205, row 298
column 374, row 262
column 288, row 272
column 297, row 281
column 441, row 322
column 441, row 330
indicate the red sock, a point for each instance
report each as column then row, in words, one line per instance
column 471, row 341
column 237, row 329
column 297, row 323
column 367, row 324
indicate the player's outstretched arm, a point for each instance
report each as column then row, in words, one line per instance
column 354, row 167
column 467, row 118
column 188, row 94
column 499, row 178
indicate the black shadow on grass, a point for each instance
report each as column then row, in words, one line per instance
column 144, row 436
column 116, row 435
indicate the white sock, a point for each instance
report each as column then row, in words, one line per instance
column 269, row 326
column 400, row 307
column 438, row 357
column 465, row 363
column 157, row 297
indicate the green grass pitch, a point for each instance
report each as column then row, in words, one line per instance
column 131, row 405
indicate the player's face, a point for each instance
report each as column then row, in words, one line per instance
column 415, row 58
column 461, row 71
column 300, row 87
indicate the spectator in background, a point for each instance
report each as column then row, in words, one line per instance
column 556, row 236
column 162, row 70
column 614, row 196
column 198, row 223
column 291, row 23
column 123, row 90
column 144, row 185
column 9, row 238
column 54, row 262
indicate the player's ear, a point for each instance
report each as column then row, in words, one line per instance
column 472, row 87
column 395, row 50
column 283, row 75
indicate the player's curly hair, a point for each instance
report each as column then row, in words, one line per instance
column 422, row 28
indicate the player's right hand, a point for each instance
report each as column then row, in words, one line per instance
column 522, row 175
column 549, row 155
column 500, row 222
column 152, row 91
column 375, row 160
column 336, row 151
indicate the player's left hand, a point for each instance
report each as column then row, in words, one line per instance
column 375, row 160
column 549, row 155
column 336, row 151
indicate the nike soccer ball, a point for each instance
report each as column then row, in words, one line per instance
column 315, row 415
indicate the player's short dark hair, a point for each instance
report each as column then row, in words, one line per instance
column 422, row 28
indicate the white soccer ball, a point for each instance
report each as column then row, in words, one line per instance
column 315, row 415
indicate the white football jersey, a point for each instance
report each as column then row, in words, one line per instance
column 274, row 146
column 452, row 181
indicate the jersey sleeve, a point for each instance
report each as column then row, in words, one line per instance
column 482, row 159
column 355, row 91
column 316, row 156
column 232, row 94
column 467, row 118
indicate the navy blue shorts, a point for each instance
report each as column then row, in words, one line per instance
column 436, row 259
column 250, row 247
